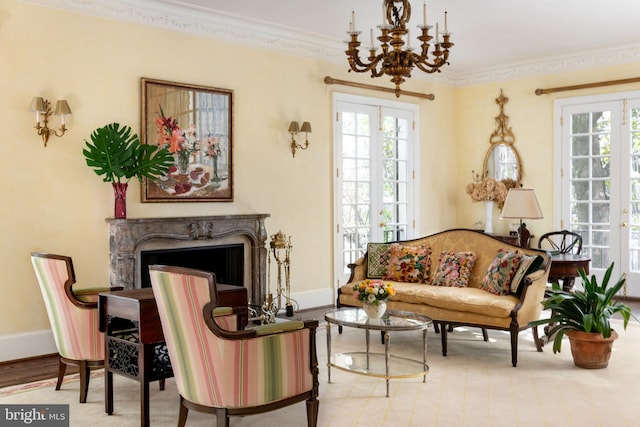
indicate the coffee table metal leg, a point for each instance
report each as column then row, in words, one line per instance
column 329, row 352
column 387, row 347
column 424, row 355
column 367, row 340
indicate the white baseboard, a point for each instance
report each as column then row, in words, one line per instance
column 312, row 299
column 30, row 344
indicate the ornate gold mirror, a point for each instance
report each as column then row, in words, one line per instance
column 502, row 161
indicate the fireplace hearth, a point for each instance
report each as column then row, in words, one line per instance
column 235, row 244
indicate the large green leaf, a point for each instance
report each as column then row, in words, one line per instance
column 117, row 155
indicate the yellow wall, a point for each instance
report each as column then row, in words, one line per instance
column 531, row 120
column 51, row 201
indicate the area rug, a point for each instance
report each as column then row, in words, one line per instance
column 475, row 385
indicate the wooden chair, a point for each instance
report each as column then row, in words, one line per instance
column 73, row 315
column 225, row 371
column 561, row 242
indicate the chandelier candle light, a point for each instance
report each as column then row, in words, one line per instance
column 394, row 59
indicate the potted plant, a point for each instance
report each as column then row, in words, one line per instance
column 583, row 315
column 118, row 155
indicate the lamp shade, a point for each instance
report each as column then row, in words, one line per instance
column 521, row 203
column 293, row 127
column 306, row 127
column 62, row 108
column 37, row 104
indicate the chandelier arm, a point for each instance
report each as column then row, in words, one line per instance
column 358, row 66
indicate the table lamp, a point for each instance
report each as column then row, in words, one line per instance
column 521, row 203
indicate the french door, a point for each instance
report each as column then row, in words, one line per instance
column 600, row 180
column 374, row 151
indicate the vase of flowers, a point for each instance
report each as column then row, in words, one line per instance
column 373, row 294
column 182, row 143
column 487, row 190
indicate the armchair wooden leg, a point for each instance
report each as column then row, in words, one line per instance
column 184, row 411
column 161, row 382
column 62, row 367
column 485, row 336
column 222, row 416
column 312, row 412
column 84, row 380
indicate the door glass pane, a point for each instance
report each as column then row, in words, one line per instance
column 355, row 185
column 634, row 196
column 374, row 178
column 590, row 185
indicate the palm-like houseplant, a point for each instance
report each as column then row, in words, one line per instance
column 118, row 155
column 585, row 315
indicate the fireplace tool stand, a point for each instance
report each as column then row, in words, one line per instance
column 280, row 251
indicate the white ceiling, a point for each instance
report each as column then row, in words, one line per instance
column 504, row 37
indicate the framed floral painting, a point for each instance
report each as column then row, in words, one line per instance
column 195, row 123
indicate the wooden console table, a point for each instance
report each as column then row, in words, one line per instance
column 134, row 343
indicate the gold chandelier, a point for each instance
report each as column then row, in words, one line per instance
column 394, row 60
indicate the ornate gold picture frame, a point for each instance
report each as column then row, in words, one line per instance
column 196, row 124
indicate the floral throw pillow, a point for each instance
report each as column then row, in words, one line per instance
column 377, row 259
column 454, row 269
column 408, row 263
column 501, row 271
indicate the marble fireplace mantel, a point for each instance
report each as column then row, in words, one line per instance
column 129, row 237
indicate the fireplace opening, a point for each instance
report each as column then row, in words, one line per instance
column 226, row 261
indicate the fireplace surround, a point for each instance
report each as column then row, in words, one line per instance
column 130, row 238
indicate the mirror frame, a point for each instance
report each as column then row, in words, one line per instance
column 502, row 135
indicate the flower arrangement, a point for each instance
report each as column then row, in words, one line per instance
column 487, row 190
column 179, row 141
column 372, row 291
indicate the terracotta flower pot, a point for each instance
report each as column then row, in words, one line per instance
column 590, row 350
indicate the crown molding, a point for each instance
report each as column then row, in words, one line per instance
column 623, row 54
column 178, row 16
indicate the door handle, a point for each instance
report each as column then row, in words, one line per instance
column 625, row 224
column 382, row 224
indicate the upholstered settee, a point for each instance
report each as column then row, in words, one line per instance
column 458, row 277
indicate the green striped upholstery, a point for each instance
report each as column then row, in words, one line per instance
column 75, row 329
column 226, row 373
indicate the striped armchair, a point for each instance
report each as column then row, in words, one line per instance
column 73, row 315
column 228, row 372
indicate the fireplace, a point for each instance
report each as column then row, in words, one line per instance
column 226, row 261
column 232, row 246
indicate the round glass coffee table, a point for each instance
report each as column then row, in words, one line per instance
column 378, row 365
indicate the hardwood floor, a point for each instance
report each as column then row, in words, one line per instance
column 45, row 367
column 29, row 370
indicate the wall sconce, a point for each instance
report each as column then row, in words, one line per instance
column 42, row 107
column 294, row 130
